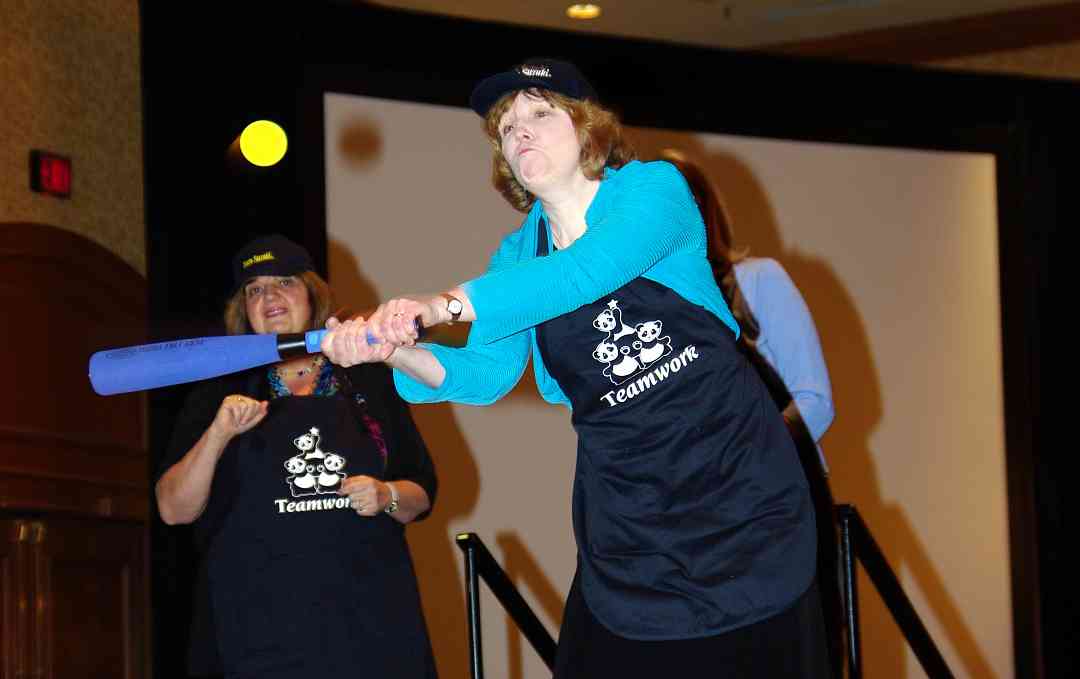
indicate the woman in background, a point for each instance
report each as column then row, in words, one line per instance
column 299, row 479
column 771, row 312
column 781, row 341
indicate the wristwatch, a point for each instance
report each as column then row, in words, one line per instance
column 454, row 306
column 393, row 506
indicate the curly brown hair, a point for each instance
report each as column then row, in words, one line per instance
column 320, row 297
column 599, row 133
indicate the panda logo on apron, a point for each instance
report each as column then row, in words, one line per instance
column 627, row 351
column 312, row 471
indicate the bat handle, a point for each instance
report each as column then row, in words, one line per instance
column 313, row 338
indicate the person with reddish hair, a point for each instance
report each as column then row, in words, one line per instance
column 694, row 524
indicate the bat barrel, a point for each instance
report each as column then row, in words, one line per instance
column 164, row 364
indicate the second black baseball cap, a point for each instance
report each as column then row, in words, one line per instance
column 272, row 255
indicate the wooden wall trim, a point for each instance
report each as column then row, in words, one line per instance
column 27, row 453
column 63, row 448
column 22, row 495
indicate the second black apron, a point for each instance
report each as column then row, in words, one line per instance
column 300, row 584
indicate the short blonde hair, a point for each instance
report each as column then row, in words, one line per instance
column 599, row 133
column 320, row 297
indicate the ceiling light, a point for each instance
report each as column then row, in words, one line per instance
column 583, row 11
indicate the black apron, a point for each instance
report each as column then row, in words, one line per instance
column 691, row 512
column 300, row 585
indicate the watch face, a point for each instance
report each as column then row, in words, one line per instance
column 454, row 306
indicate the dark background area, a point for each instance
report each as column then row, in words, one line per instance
column 208, row 72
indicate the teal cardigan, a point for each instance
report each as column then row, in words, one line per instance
column 643, row 221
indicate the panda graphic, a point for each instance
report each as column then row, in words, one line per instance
column 610, row 321
column 312, row 471
column 626, row 351
column 618, row 370
column 651, row 347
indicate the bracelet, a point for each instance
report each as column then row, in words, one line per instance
column 393, row 506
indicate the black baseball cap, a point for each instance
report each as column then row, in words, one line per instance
column 272, row 255
column 548, row 74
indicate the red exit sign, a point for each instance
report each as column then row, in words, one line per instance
column 50, row 173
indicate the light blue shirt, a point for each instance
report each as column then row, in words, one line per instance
column 789, row 339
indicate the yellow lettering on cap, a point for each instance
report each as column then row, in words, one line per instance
column 264, row 257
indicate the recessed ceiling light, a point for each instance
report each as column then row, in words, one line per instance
column 583, row 11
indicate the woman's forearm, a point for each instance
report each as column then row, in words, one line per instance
column 419, row 364
column 183, row 491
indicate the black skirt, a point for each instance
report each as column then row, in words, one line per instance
column 789, row 644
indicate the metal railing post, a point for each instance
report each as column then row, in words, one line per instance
column 851, row 594
column 472, row 604
column 481, row 565
column 897, row 601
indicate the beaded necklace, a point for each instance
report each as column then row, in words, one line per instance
column 328, row 385
column 300, row 372
column 325, row 385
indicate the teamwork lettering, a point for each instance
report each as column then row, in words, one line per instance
column 653, row 378
column 287, row 506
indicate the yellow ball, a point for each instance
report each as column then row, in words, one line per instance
column 263, row 143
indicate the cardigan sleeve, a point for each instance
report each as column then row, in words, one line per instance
column 408, row 457
column 648, row 215
column 478, row 373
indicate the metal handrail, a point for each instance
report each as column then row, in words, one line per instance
column 479, row 563
column 856, row 542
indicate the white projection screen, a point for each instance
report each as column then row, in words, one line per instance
column 896, row 253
